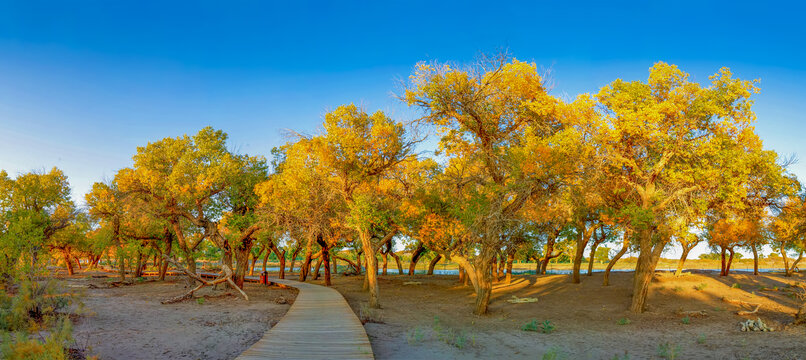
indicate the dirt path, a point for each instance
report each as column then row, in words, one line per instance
column 434, row 320
column 129, row 322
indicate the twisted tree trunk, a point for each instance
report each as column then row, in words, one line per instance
column 433, row 263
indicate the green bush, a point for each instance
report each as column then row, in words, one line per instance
column 35, row 307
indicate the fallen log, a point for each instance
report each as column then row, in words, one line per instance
column 226, row 276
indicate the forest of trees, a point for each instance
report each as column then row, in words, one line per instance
column 519, row 173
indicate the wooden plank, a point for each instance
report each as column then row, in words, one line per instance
column 319, row 325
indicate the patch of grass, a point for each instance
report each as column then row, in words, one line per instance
column 701, row 287
column 415, row 335
column 736, row 286
column 547, row 327
column 623, row 321
column 553, row 354
column 701, row 339
column 626, row 356
column 677, row 289
column 200, row 301
column 668, row 351
column 686, row 320
column 530, row 326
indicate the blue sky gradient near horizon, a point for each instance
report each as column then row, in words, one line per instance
column 82, row 84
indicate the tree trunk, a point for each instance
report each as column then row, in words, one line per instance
column 68, row 262
column 254, row 260
column 787, row 272
column 334, row 263
column 755, row 259
column 549, row 249
column 168, row 239
column 724, row 264
column 294, row 258
column 480, row 275
column 644, row 270
column 510, row 259
column 397, row 262
column 281, row 256
column 502, row 264
column 791, row 270
column 326, row 260
column 318, row 267
column 582, row 242
column 682, row 261
column 137, row 270
column 590, row 260
column 730, row 261
column 494, row 269
column 372, row 270
column 385, row 257
column 242, row 252
column 625, row 245
column 462, row 275
column 415, row 257
column 433, row 263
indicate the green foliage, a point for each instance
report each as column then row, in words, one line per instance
column 200, row 301
column 547, row 327
column 686, row 320
column 710, row 256
column 701, row 339
column 34, row 308
column 530, row 326
column 415, row 335
column 700, row 287
column 624, row 321
column 736, row 286
column 553, row 354
column 668, row 351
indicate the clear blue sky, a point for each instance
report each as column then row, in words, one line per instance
column 83, row 83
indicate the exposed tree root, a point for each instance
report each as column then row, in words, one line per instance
column 743, row 303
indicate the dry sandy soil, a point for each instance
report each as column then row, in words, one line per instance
column 128, row 322
column 434, row 320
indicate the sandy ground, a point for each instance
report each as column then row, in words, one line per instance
column 434, row 319
column 128, row 322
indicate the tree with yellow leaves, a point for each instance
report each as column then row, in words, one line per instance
column 504, row 140
column 661, row 139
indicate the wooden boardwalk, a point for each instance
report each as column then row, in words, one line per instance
column 319, row 325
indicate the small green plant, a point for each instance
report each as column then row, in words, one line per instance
column 701, row 339
column 686, row 320
column 668, row 351
column 626, row 356
column 461, row 340
column 530, row 326
column 547, row 327
column 736, row 286
column 553, row 354
column 624, row 321
column 677, row 289
column 414, row 335
column 200, row 301
column 701, row 287
column 140, row 279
